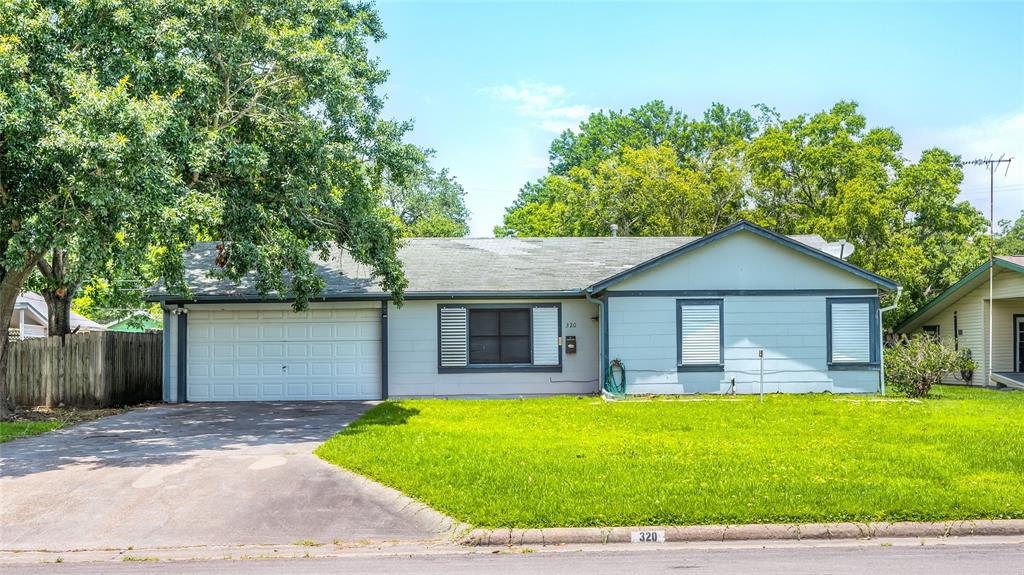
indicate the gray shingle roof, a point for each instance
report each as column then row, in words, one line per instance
column 469, row 265
column 37, row 303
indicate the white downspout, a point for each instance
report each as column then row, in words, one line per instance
column 881, row 338
column 601, row 351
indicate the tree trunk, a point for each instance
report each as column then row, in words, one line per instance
column 10, row 287
column 8, row 298
column 58, row 304
column 57, row 293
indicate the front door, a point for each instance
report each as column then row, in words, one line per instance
column 1018, row 342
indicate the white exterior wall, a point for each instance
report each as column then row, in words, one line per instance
column 27, row 324
column 791, row 328
column 412, row 355
column 972, row 319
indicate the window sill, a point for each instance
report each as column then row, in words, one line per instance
column 700, row 368
column 853, row 367
column 502, row 369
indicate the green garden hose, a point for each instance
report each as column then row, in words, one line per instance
column 610, row 385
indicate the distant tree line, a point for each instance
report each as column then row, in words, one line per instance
column 654, row 171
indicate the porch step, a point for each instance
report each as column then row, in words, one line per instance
column 1009, row 379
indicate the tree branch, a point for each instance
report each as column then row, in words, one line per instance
column 44, row 268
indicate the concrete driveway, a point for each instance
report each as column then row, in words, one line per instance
column 196, row 474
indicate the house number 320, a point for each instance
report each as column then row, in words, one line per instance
column 570, row 324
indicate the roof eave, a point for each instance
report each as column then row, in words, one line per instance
column 24, row 305
column 920, row 315
column 167, row 299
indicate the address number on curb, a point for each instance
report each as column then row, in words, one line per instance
column 647, row 536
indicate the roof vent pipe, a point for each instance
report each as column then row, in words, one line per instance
column 615, row 230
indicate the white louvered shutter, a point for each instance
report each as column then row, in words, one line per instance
column 700, row 337
column 545, row 336
column 453, row 336
column 851, row 333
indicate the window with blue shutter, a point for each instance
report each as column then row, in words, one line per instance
column 499, row 337
column 700, row 336
column 853, row 332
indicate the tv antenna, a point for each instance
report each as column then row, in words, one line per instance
column 991, row 164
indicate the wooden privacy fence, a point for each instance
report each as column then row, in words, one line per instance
column 91, row 369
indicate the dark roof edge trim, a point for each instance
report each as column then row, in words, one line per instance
column 955, row 288
column 756, row 229
column 570, row 294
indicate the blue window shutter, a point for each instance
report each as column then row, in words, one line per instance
column 700, row 334
column 453, row 336
column 851, row 332
column 545, row 335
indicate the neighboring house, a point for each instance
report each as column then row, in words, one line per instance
column 960, row 316
column 539, row 316
column 138, row 322
column 30, row 317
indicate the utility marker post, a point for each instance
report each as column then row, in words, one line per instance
column 760, row 355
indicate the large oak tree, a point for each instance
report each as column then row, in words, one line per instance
column 129, row 129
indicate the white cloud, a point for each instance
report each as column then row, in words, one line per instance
column 549, row 105
column 989, row 138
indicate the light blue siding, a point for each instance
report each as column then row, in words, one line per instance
column 790, row 328
column 412, row 356
column 743, row 261
column 170, row 353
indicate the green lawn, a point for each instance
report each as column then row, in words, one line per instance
column 14, row 429
column 583, row 462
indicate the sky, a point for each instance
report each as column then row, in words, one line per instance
column 489, row 84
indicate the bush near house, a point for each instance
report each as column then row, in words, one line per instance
column 581, row 462
column 913, row 365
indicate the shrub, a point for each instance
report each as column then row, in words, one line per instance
column 913, row 365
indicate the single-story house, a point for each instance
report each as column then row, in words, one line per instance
column 30, row 318
column 138, row 321
column 539, row 316
column 960, row 316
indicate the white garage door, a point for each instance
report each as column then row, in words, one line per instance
column 282, row 355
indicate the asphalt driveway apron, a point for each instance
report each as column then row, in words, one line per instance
column 195, row 474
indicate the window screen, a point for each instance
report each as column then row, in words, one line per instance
column 499, row 336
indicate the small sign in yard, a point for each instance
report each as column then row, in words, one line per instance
column 647, row 537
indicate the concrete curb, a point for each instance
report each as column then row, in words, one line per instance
column 768, row 532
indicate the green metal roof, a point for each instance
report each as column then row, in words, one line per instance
column 1010, row 263
column 135, row 324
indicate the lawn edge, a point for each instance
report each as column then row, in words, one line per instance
column 448, row 527
column 754, row 532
